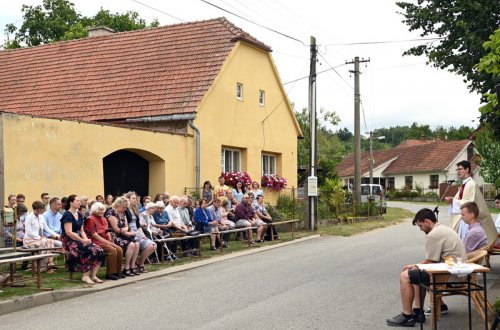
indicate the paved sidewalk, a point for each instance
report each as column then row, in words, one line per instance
column 49, row 297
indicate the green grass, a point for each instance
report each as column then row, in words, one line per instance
column 60, row 280
column 393, row 216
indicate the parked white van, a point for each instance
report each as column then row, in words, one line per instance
column 374, row 192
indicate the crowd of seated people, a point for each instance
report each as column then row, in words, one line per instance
column 121, row 230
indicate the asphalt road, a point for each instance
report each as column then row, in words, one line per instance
column 325, row 283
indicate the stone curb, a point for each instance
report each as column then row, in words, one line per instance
column 43, row 298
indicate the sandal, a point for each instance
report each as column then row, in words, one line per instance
column 96, row 280
column 87, row 280
column 143, row 269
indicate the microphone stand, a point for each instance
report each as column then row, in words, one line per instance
column 436, row 209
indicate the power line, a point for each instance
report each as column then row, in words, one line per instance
column 306, row 77
column 255, row 23
column 160, row 11
column 383, row 42
column 338, row 74
column 364, row 116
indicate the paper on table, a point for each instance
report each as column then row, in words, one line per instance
column 442, row 266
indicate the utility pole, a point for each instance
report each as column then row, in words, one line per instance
column 357, row 133
column 312, row 180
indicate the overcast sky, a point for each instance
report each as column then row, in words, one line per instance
column 395, row 90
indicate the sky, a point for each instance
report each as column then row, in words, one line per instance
column 395, row 90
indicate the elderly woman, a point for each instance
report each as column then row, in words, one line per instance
column 96, row 228
column 146, row 246
column 122, row 235
column 81, row 254
column 204, row 223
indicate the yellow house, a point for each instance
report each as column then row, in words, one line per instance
column 153, row 110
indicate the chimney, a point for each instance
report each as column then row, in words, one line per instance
column 98, row 31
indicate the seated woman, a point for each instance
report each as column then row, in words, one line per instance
column 33, row 236
column 121, row 234
column 9, row 230
column 205, row 224
column 81, row 254
column 207, row 192
column 96, row 228
column 108, row 202
column 239, row 191
column 256, row 191
column 146, row 246
column 261, row 212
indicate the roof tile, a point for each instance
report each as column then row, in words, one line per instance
column 148, row 72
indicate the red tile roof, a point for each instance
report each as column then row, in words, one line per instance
column 150, row 72
column 423, row 157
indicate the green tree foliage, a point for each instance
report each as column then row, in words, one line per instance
column 333, row 194
column 489, row 149
column 463, row 27
column 330, row 149
column 57, row 20
column 490, row 64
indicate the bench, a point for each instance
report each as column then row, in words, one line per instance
column 35, row 269
column 236, row 230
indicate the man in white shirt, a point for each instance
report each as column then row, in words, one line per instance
column 497, row 205
column 469, row 192
column 175, row 218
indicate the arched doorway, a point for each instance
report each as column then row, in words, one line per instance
column 125, row 171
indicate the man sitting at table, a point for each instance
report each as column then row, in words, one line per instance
column 441, row 241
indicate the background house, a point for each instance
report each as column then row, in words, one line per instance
column 413, row 163
column 123, row 111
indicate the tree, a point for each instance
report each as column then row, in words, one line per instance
column 57, row 20
column 463, row 27
column 330, row 149
column 490, row 64
column 489, row 150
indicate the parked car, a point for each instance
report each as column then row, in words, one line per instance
column 374, row 193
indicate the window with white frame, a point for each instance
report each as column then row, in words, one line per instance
column 230, row 160
column 268, row 164
column 262, row 98
column 239, row 91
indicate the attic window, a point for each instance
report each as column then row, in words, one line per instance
column 262, row 98
column 239, row 91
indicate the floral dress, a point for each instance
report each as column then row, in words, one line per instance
column 119, row 239
column 79, row 257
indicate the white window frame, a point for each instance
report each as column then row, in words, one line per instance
column 231, row 165
column 239, row 91
column 270, row 164
column 262, row 98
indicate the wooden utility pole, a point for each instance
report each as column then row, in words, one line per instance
column 357, row 133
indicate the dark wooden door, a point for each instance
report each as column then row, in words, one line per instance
column 125, row 171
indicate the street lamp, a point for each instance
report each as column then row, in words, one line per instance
column 372, row 135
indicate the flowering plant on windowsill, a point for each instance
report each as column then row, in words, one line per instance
column 231, row 178
column 273, row 182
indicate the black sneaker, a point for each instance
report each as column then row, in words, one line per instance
column 416, row 315
column 401, row 320
column 444, row 310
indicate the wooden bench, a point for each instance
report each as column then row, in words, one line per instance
column 35, row 269
column 236, row 230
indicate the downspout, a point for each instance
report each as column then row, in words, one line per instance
column 197, row 167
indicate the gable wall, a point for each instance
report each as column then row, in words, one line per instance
column 225, row 121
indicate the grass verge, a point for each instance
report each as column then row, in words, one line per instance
column 393, row 216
